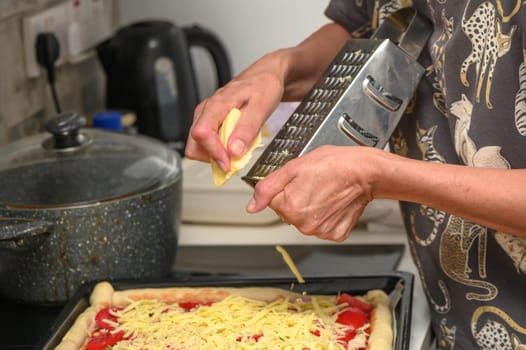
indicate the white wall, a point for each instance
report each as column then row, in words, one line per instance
column 248, row 28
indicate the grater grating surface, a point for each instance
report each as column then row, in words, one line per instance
column 311, row 112
column 354, row 102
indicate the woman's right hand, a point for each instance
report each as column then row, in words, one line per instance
column 256, row 92
column 286, row 74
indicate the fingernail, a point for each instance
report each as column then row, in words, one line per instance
column 237, row 148
column 251, row 204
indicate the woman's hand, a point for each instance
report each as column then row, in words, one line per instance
column 256, row 92
column 324, row 192
column 286, row 74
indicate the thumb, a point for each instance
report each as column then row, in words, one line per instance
column 257, row 203
column 266, row 190
column 247, row 129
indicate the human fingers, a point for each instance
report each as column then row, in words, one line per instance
column 340, row 224
column 204, row 142
column 256, row 97
column 321, row 200
column 263, row 100
column 266, row 190
column 329, row 222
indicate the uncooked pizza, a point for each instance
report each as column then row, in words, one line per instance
column 181, row 318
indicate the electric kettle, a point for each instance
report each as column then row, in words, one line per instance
column 149, row 70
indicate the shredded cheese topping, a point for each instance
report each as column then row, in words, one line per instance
column 236, row 322
column 290, row 263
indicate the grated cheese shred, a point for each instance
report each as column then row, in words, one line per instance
column 235, row 322
column 290, row 263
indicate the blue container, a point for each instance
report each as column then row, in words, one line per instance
column 109, row 120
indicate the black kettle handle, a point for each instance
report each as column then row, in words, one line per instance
column 198, row 36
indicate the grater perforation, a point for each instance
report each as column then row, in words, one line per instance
column 358, row 100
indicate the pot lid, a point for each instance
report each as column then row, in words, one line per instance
column 70, row 166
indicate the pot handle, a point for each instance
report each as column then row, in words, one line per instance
column 23, row 233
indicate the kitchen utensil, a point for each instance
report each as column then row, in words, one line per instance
column 149, row 70
column 360, row 98
column 354, row 284
column 82, row 205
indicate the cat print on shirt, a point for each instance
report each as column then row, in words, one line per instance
column 438, row 53
column 399, row 143
column 447, row 336
column 382, row 11
column 493, row 334
column 391, row 7
column 488, row 44
column 515, row 248
column 485, row 157
column 443, row 308
column 457, row 242
column 520, row 100
column 426, row 144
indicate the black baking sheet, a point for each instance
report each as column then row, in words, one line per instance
column 355, row 284
column 311, row 260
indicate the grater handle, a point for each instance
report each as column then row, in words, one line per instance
column 384, row 99
column 407, row 29
column 355, row 132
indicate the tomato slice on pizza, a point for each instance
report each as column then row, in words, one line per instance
column 183, row 318
column 103, row 339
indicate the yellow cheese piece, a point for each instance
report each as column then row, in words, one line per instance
column 236, row 164
column 290, row 263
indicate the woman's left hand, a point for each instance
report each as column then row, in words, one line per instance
column 323, row 193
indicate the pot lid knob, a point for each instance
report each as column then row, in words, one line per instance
column 65, row 129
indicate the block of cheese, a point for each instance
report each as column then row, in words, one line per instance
column 236, row 164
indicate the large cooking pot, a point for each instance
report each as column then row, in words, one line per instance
column 81, row 205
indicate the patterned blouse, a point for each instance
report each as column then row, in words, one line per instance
column 469, row 109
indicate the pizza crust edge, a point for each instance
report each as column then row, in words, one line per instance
column 104, row 295
column 382, row 334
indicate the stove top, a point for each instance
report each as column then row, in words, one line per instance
column 22, row 326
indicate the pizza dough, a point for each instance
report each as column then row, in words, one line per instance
column 104, row 295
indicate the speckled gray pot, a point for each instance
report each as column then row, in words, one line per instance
column 130, row 238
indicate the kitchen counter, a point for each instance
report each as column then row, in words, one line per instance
column 279, row 233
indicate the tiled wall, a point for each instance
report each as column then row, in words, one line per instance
column 25, row 103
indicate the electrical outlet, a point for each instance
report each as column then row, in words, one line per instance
column 78, row 25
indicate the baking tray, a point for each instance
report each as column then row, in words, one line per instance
column 398, row 284
column 312, row 260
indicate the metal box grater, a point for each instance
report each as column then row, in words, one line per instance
column 360, row 98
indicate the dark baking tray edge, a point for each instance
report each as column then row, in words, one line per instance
column 354, row 284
